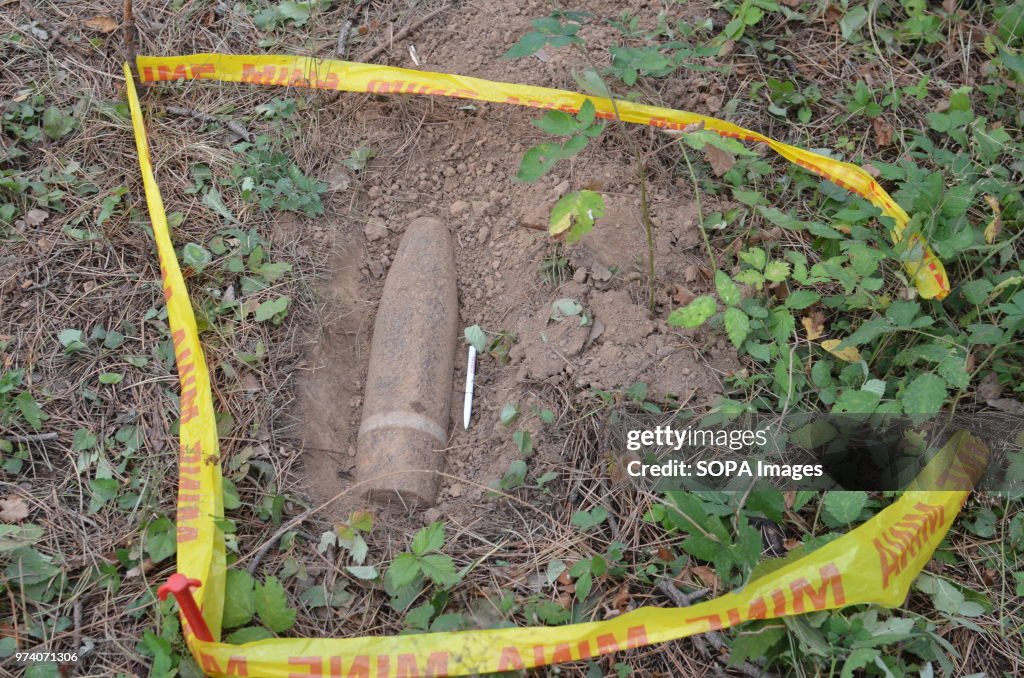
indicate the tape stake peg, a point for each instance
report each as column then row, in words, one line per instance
column 180, row 586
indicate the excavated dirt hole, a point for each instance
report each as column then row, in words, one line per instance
column 456, row 161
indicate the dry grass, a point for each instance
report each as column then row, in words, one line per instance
column 50, row 282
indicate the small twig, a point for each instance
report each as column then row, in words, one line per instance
column 234, row 127
column 679, row 598
column 128, row 24
column 401, row 35
column 31, row 437
column 346, row 30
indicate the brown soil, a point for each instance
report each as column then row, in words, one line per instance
column 459, row 164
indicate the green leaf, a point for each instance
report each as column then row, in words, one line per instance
column 508, row 414
column 71, row 340
column 439, row 568
column 693, row 314
column 30, row 409
column 776, row 271
column 856, row 402
column 111, row 378
column 527, row 45
column 587, row 520
column 844, row 506
column 161, row 539
column 239, row 601
column 403, row 570
column 365, row 572
column 29, row 567
column 476, row 338
column 249, row 634
column 212, row 199
column 925, row 394
column 737, row 326
column 430, row 538
column 272, row 309
column 728, row 291
column 574, row 214
column 196, row 256
column 558, row 123
column 523, row 441
column 272, row 606
column 56, row 124
column 801, row 299
column 754, row 644
column 860, row 658
column 852, row 21
column 14, row 537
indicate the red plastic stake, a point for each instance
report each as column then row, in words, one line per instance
column 179, row 586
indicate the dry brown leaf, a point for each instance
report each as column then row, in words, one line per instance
column 140, row 569
column 681, row 295
column 13, row 510
column 706, row 575
column 713, row 103
column 883, row 132
column 1008, row 405
column 665, row 554
column 35, row 217
column 621, row 599
column 103, row 24
column 949, row 6
column 989, row 387
column 791, row 544
column 996, row 225
column 814, row 325
column 721, row 161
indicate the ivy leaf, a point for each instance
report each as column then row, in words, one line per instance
column 693, row 314
column 272, row 606
column 924, row 395
column 575, row 213
column 737, row 326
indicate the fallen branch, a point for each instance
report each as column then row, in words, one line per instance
column 402, row 34
column 205, row 118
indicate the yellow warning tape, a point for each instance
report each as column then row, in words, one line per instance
column 924, row 268
column 874, row 563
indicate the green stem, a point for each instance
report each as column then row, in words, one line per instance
column 700, row 208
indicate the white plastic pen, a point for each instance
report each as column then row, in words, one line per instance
column 467, row 408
